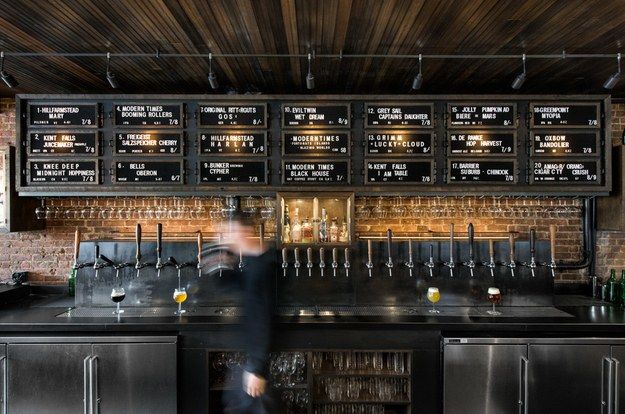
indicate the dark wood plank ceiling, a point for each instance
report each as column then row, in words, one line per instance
column 327, row 26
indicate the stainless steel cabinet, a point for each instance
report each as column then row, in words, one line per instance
column 484, row 378
column 3, row 378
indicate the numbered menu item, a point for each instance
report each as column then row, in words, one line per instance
column 316, row 143
column 482, row 143
column 566, row 172
column 481, row 171
column 311, row 115
column 233, row 143
column 148, row 172
column 228, row 115
column 63, row 171
column 233, row 172
column 481, row 115
column 571, row 115
column 399, row 115
column 565, row 143
column 315, row 172
column 399, row 172
column 148, row 115
column 78, row 115
column 399, row 143
column 83, row 143
column 148, row 142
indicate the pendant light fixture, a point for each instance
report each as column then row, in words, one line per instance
column 7, row 78
column 614, row 78
column 310, row 78
column 418, row 79
column 520, row 79
column 110, row 76
column 212, row 79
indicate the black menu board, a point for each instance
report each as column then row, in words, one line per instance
column 399, row 143
column 481, row 143
column 565, row 143
column 150, row 114
column 316, row 143
column 77, row 115
column 233, row 172
column 399, row 115
column 233, row 115
column 481, row 115
column 147, row 142
column 570, row 115
column 233, row 143
column 50, row 142
column 316, row 115
column 146, row 171
column 481, row 171
column 315, row 172
column 63, row 172
column 398, row 172
column 565, row 171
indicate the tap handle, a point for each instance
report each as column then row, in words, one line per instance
column 347, row 255
column 389, row 241
column 410, row 249
column 200, row 242
column 451, row 241
column 96, row 252
column 491, row 247
column 172, row 261
column 335, row 255
column 296, row 254
column 431, row 252
column 138, row 242
column 511, row 241
column 309, row 255
column 369, row 250
column 106, row 259
column 532, row 242
column 552, row 241
column 322, row 254
column 159, row 239
column 76, row 245
column 261, row 236
column 284, row 255
column 471, row 234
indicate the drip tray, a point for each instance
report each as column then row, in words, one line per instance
column 136, row 312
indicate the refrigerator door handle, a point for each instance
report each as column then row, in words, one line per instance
column 95, row 398
column 5, row 385
column 615, row 383
column 606, row 389
column 523, row 385
column 86, row 400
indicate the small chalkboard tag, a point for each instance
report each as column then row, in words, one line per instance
column 148, row 142
column 482, row 115
column 233, row 143
column 233, row 172
column 311, row 115
column 315, row 172
column 481, row 171
column 565, row 171
column 228, row 115
column 399, row 143
column 317, row 143
column 399, row 172
column 77, row 115
column 565, row 143
column 482, row 143
column 64, row 171
column 132, row 114
column 399, row 115
column 48, row 142
column 572, row 115
column 148, row 172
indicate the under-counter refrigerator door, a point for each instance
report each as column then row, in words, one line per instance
column 618, row 366
column 569, row 379
column 484, row 378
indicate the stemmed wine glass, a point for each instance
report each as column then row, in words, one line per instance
column 434, row 296
column 118, row 294
column 494, row 297
column 180, row 295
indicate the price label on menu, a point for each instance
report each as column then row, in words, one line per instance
column 481, row 143
column 571, row 115
column 565, row 143
column 233, row 172
column 66, row 171
column 310, row 115
column 317, row 143
column 169, row 172
column 78, row 115
column 148, row 115
column 148, row 143
column 482, row 115
column 84, row 143
column 565, row 172
column 227, row 115
column 481, row 171
column 399, row 172
column 315, row 172
column 399, row 143
column 399, row 115
column 233, row 143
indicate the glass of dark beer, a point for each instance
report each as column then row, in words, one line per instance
column 494, row 297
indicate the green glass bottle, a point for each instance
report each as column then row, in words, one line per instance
column 71, row 283
column 612, row 286
column 621, row 288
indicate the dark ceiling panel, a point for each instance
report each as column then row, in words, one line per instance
column 325, row 26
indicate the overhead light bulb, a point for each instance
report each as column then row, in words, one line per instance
column 7, row 78
column 520, row 79
column 310, row 78
column 212, row 78
column 615, row 77
column 418, row 79
column 110, row 76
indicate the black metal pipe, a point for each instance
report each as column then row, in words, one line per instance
column 588, row 239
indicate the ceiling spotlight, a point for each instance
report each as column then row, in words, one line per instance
column 520, row 79
column 110, row 76
column 310, row 78
column 7, row 78
column 212, row 79
column 418, row 79
column 614, row 78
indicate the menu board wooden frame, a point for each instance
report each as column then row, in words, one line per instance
column 316, row 160
column 183, row 115
column 433, row 139
column 231, row 184
column 515, row 115
column 96, row 182
column 399, row 104
column 237, row 132
column 532, row 119
column 97, row 149
column 515, row 142
column 530, row 172
column 145, row 154
column 317, row 104
column 148, row 183
column 482, row 183
column 532, row 143
column 313, row 132
column 403, row 160
column 96, row 105
column 201, row 126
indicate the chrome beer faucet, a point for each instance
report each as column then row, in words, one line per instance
column 77, row 265
column 451, row 264
column 346, row 264
column 491, row 253
column 99, row 261
column 512, row 263
column 369, row 263
column 430, row 263
column 532, row 263
column 285, row 262
column 389, row 241
column 200, row 242
column 471, row 263
column 335, row 260
column 159, row 249
column 179, row 266
column 296, row 263
column 322, row 262
column 552, row 244
column 309, row 260
column 410, row 264
column 138, row 263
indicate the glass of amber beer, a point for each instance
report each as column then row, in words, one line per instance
column 180, row 295
column 494, row 297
